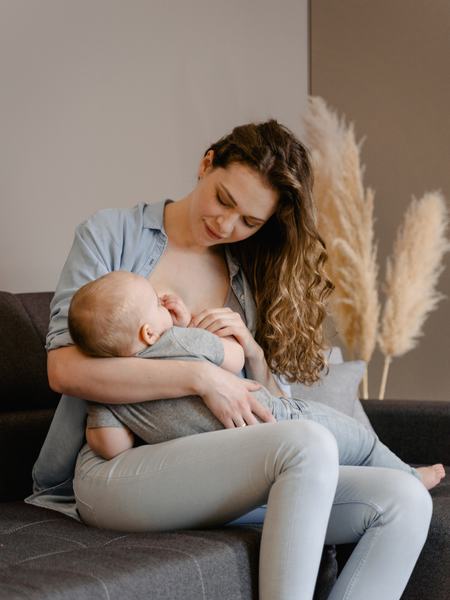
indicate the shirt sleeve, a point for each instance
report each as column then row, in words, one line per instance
column 200, row 343
column 186, row 343
column 95, row 251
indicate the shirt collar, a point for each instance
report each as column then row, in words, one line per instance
column 233, row 265
column 154, row 215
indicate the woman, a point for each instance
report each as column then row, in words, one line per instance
column 245, row 239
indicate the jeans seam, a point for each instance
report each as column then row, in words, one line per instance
column 360, row 566
column 375, row 507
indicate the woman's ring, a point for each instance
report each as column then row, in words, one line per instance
column 244, row 425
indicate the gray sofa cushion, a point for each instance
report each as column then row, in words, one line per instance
column 47, row 555
column 338, row 389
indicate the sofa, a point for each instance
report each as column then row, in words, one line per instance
column 44, row 554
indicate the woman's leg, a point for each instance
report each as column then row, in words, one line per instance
column 210, row 478
column 387, row 513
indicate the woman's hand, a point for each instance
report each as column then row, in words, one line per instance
column 179, row 312
column 229, row 397
column 224, row 322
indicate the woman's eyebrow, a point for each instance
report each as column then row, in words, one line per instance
column 228, row 193
column 233, row 201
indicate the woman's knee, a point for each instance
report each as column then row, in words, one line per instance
column 415, row 494
column 409, row 501
column 306, row 443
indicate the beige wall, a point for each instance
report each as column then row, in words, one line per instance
column 108, row 103
column 385, row 65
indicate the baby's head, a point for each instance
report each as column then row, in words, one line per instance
column 118, row 314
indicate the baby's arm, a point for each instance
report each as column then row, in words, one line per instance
column 224, row 322
column 234, row 357
column 233, row 352
column 108, row 442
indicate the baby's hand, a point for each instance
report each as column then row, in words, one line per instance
column 179, row 311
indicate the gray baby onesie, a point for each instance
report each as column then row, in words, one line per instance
column 156, row 421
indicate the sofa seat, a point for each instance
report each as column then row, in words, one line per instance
column 44, row 554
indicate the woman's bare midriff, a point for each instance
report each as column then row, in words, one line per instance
column 201, row 280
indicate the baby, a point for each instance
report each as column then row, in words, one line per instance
column 120, row 314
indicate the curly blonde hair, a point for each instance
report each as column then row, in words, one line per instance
column 284, row 260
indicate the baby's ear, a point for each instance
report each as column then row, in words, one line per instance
column 147, row 335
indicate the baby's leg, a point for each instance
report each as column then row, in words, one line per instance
column 357, row 445
column 106, row 435
column 157, row 421
column 108, row 442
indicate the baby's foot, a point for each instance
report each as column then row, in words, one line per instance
column 432, row 475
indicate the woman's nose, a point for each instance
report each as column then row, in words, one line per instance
column 226, row 223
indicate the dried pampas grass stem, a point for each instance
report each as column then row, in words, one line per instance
column 346, row 223
column 411, row 277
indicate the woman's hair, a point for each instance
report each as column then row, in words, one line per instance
column 284, row 260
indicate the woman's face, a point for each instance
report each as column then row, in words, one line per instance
column 229, row 205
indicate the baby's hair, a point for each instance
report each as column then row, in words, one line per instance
column 103, row 320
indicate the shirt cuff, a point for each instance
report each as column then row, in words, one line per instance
column 59, row 341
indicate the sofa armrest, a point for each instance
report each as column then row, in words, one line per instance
column 22, row 434
column 417, row 431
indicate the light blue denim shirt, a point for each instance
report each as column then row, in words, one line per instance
column 131, row 239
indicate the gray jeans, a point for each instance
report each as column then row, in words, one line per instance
column 210, row 479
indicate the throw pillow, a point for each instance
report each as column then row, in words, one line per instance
column 338, row 389
column 335, row 357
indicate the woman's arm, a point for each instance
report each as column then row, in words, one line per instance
column 258, row 369
column 255, row 366
column 130, row 380
column 120, row 380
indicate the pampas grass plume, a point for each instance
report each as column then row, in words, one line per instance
column 411, row 277
column 345, row 221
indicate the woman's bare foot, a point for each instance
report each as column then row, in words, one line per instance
column 432, row 475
